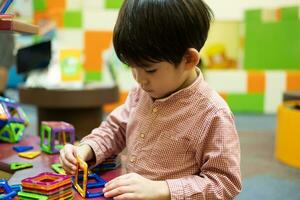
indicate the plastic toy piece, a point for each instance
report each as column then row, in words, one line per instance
column 5, row 6
column 20, row 165
column 13, row 121
column 54, row 135
column 84, row 167
column 97, row 183
column 5, row 190
column 58, row 168
column 27, row 195
column 46, row 181
column 30, row 154
column 60, row 190
column 22, row 148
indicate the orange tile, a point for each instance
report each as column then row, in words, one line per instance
column 256, row 81
column 94, row 64
column 56, row 4
column 110, row 107
column 57, row 15
column 97, row 40
column 95, row 43
column 293, row 81
column 38, row 16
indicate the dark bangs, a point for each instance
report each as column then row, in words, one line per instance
column 160, row 30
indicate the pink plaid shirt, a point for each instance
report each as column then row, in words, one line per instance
column 188, row 139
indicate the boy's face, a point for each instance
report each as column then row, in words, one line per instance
column 161, row 79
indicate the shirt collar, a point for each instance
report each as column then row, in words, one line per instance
column 187, row 91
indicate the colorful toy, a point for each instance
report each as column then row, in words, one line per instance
column 84, row 177
column 22, row 148
column 54, row 135
column 110, row 163
column 47, row 186
column 6, row 191
column 30, row 154
column 13, row 121
column 20, row 165
column 58, row 168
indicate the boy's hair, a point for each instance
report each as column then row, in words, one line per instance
column 160, row 30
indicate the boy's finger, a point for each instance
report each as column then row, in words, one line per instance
column 69, row 155
column 65, row 167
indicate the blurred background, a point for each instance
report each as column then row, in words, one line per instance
column 251, row 57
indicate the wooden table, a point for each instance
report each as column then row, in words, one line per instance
column 81, row 108
column 41, row 163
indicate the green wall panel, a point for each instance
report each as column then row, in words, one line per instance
column 92, row 76
column 73, row 19
column 39, row 5
column 246, row 103
column 113, row 4
column 272, row 45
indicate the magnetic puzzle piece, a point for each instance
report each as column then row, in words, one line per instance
column 98, row 183
column 28, row 195
column 59, row 190
column 58, row 168
column 6, row 191
column 46, row 181
column 13, row 121
column 22, row 148
column 12, row 132
column 30, row 154
column 84, row 167
column 54, row 135
column 20, row 165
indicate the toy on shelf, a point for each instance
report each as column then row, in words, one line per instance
column 6, row 192
column 81, row 181
column 13, row 121
column 54, row 135
column 47, row 186
column 30, row 154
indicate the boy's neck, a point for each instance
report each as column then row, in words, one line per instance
column 190, row 80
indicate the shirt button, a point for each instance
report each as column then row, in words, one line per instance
column 154, row 110
column 132, row 160
column 142, row 135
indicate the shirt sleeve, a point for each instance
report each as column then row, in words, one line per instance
column 218, row 156
column 109, row 138
column 7, row 50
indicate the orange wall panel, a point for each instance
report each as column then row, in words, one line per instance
column 256, row 81
column 293, row 81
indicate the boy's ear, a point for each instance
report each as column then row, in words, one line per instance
column 192, row 58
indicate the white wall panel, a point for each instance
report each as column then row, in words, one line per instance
column 275, row 86
column 229, row 81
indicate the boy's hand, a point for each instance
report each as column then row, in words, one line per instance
column 69, row 154
column 134, row 186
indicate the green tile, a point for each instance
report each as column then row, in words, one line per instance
column 272, row 45
column 113, row 4
column 253, row 15
column 289, row 13
column 92, row 76
column 39, row 5
column 73, row 19
column 246, row 103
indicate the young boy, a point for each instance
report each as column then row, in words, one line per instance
column 180, row 134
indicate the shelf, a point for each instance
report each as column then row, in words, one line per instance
column 7, row 24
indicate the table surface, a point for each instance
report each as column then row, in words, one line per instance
column 41, row 163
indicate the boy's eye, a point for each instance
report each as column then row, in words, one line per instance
column 151, row 71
